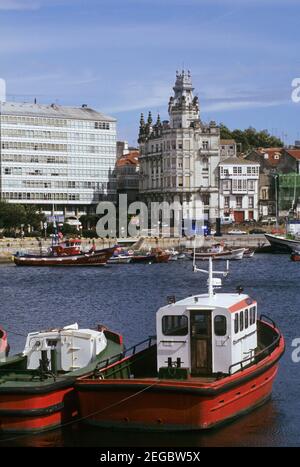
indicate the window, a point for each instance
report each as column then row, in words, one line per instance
column 246, row 319
column 239, row 201
column 252, row 315
column 241, row 320
column 220, row 325
column 251, row 185
column 226, row 184
column 205, row 144
column 173, row 325
column 251, row 202
column 236, row 323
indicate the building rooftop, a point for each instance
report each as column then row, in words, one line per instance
column 271, row 156
column 295, row 153
column 237, row 161
column 53, row 111
column 132, row 158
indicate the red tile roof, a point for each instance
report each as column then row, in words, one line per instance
column 294, row 153
column 271, row 152
column 132, row 158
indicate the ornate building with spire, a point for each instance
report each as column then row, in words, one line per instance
column 179, row 158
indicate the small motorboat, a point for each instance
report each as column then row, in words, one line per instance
column 155, row 255
column 249, row 252
column 217, row 251
column 37, row 386
column 295, row 256
column 212, row 360
column 4, row 346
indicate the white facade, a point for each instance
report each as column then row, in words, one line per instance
column 54, row 155
column 238, row 194
column 179, row 159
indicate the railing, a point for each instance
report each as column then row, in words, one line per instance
column 131, row 351
column 263, row 353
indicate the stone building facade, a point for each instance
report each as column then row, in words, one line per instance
column 179, row 158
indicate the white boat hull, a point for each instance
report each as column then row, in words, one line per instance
column 230, row 255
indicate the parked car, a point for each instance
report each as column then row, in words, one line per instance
column 257, row 231
column 268, row 220
column 236, row 232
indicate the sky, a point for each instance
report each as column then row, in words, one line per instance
column 121, row 56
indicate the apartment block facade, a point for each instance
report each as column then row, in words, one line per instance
column 58, row 158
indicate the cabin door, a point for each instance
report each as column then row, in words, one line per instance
column 201, row 341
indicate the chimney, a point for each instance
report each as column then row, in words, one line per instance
column 2, row 90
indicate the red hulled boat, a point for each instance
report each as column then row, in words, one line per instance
column 213, row 361
column 66, row 253
column 37, row 386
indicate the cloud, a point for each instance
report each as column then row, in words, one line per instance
column 239, row 105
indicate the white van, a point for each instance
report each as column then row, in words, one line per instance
column 226, row 220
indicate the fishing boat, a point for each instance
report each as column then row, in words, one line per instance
column 37, row 386
column 155, row 255
column 4, row 346
column 67, row 253
column 217, row 251
column 212, row 360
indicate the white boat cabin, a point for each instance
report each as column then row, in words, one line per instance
column 208, row 333
column 70, row 348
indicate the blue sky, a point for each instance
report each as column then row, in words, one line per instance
column 121, row 56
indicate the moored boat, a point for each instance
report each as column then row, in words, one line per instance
column 249, row 252
column 295, row 256
column 283, row 243
column 37, row 386
column 213, row 360
column 90, row 258
column 217, row 251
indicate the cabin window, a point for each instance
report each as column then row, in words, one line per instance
column 173, row 325
column 246, row 319
column 252, row 315
column 236, row 323
column 220, row 325
column 241, row 320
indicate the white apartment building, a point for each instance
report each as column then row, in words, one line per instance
column 54, row 156
column 179, row 158
column 238, row 195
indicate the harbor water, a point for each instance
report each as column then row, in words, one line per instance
column 125, row 298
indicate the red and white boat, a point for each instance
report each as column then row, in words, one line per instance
column 213, row 361
column 67, row 253
column 37, row 386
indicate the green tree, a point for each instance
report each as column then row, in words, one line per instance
column 250, row 138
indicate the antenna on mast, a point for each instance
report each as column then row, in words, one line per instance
column 212, row 282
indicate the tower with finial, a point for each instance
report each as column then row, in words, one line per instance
column 183, row 107
column 142, row 130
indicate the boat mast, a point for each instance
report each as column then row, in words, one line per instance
column 212, row 283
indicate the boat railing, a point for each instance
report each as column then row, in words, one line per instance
column 103, row 364
column 266, row 351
